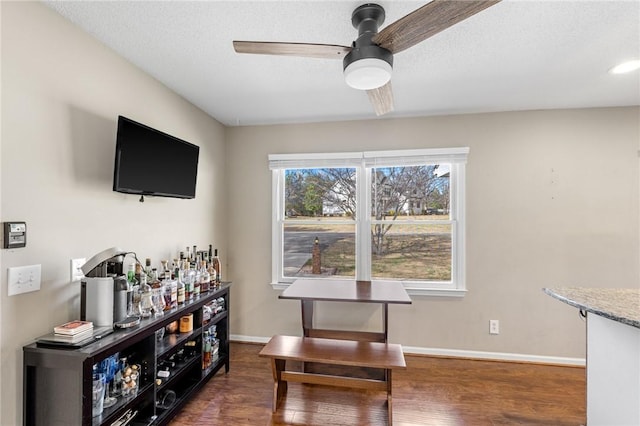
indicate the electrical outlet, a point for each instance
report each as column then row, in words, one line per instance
column 23, row 279
column 76, row 272
column 494, row 327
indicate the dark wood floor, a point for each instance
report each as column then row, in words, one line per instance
column 431, row 391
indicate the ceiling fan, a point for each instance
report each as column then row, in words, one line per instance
column 368, row 62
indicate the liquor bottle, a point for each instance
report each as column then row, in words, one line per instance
column 204, row 277
column 180, row 292
column 163, row 269
column 146, row 297
column 196, row 282
column 210, row 253
column 186, row 278
column 131, row 276
column 147, row 269
column 133, row 295
column 206, row 350
column 188, row 256
column 169, row 291
column 215, row 343
column 138, row 271
column 166, row 294
column 217, row 265
column 175, row 267
column 212, row 276
column 195, row 260
column 174, row 290
column 155, row 282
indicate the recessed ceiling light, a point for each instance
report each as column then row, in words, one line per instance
column 626, row 67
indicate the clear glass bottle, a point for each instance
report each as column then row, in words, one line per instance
column 175, row 267
column 180, row 290
column 158, row 301
column 138, row 272
column 174, row 290
column 204, row 277
column 155, row 282
column 146, row 298
column 187, row 278
column 163, row 269
column 131, row 275
column 166, row 294
column 217, row 265
column 147, row 269
column 133, row 295
column 196, row 281
column 212, row 276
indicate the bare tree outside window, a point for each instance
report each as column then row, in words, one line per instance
column 398, row 195
column 319, row 203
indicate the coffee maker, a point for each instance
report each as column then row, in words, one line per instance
column 103, row 291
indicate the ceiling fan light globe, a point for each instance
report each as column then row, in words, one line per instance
column 368, row 73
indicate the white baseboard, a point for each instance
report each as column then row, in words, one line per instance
column 494, row 356
column 458, row 353
column 248, row 339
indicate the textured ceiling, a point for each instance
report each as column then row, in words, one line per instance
column 517, row 55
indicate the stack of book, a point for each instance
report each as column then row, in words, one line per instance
column 74, row 331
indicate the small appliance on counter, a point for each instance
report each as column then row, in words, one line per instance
column 103, row 291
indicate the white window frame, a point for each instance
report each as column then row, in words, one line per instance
column 364, row 162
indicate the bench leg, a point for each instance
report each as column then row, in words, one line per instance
column 279, row 386
column 388, row 379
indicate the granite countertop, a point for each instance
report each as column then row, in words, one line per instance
column 617, row 304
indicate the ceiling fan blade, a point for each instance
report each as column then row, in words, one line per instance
column 427, row 21
column 309, row 50
column 381, row 99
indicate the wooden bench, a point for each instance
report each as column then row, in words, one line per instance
column 385, row 356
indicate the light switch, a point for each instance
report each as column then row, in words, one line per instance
column 23, row 279
column 76, row 271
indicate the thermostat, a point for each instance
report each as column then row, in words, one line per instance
column 15, row 235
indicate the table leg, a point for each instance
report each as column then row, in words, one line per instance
column 385, row 325
column 385, row 322
column 307, row 316
column 389, row 397
column 307, row 323
column 279, row 386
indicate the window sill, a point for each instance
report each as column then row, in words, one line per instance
column 412, row 291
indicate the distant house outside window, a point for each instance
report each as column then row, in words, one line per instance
column 375, row 215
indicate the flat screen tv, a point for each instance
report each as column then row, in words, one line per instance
column 150, row 162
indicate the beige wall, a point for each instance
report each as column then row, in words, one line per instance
column 61, row 95
column 552, row 200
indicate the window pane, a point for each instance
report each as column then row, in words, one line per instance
column 416, row 252
column 335, row 253
column 410, row 192
column 313, row 193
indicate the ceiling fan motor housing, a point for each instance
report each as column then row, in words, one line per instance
column 367, row 66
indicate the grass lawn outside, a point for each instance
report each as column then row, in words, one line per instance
column 411, row 250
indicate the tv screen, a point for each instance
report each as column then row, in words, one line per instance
column 150, row 162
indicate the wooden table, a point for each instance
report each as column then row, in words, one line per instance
column 309, row 291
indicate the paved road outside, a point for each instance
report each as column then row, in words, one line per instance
column 298, row 246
